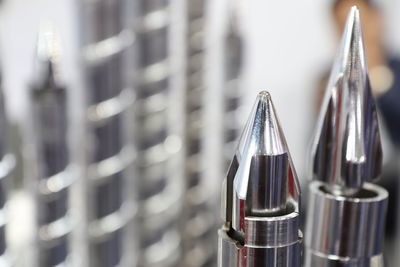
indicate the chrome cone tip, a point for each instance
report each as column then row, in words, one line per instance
column 261, row 174
column 346, row 149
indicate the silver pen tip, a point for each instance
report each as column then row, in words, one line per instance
column 261, row 173
column 346, row 149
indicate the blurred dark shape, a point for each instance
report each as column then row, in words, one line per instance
column 49, row 113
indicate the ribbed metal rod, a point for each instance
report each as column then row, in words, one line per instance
column 200, row 224
column 7, row 165
column 52, row 184
column 108, row 39
column 160, row 194
column 232, row 94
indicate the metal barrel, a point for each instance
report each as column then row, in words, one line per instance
column 107, row 39
column 200, row 223
column 7, row 165
column 158, row 146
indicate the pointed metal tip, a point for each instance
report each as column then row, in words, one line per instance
column 262, row 134
column 262, row 138
column 347, row 148
column 48, row 44
column 47, row 57
column 352, row 40
column 266, row 131
column 354, row 9
column 262, row 171
column 264, row 95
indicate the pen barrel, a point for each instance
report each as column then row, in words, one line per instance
column 269, row 242
column 345, row 231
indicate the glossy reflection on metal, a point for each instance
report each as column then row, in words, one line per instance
column 267, row 174
column 345, row 231
column 260, row 197
column 347, row 149
column 346, row 214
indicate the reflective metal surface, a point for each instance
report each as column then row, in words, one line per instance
column 346, row 231
column 346, row 215
column 260, row 197
column 347, row 149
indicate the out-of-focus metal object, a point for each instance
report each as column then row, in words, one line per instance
column 346, row 214
column 107, row 38
column 200, row 223
column 7, row 166
column 261, row 197
column 233, row 65
column 159, row 184
column 48, row 97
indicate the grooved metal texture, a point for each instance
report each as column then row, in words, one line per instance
column 199, row 232
column 54, row 178
column 7, row 165
column 107, row 39
column 159, row 185
column 233, row 63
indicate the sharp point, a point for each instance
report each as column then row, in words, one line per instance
column 262, row 134
column 48, row 44
column 355, row 131
column 265, row 95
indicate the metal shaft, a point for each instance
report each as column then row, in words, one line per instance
column 48, row 98
column 261, row 197
column 346, row 214
column 108, row 38
column 7, row 165
column 200, row 225
column 233, row 67
column 160, row 186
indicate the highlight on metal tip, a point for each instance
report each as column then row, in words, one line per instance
column 346, row 150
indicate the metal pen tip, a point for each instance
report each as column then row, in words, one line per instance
column 262, row 172
column 346, row 149
column 48, row 53
column 262, row 133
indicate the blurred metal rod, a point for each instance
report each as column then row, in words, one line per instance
column 48, row 98
column 233, row 50
column 107, row 41
column 160, row 187
column 7, row 166
column 199, row 210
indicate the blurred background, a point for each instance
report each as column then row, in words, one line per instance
column 121, row 117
